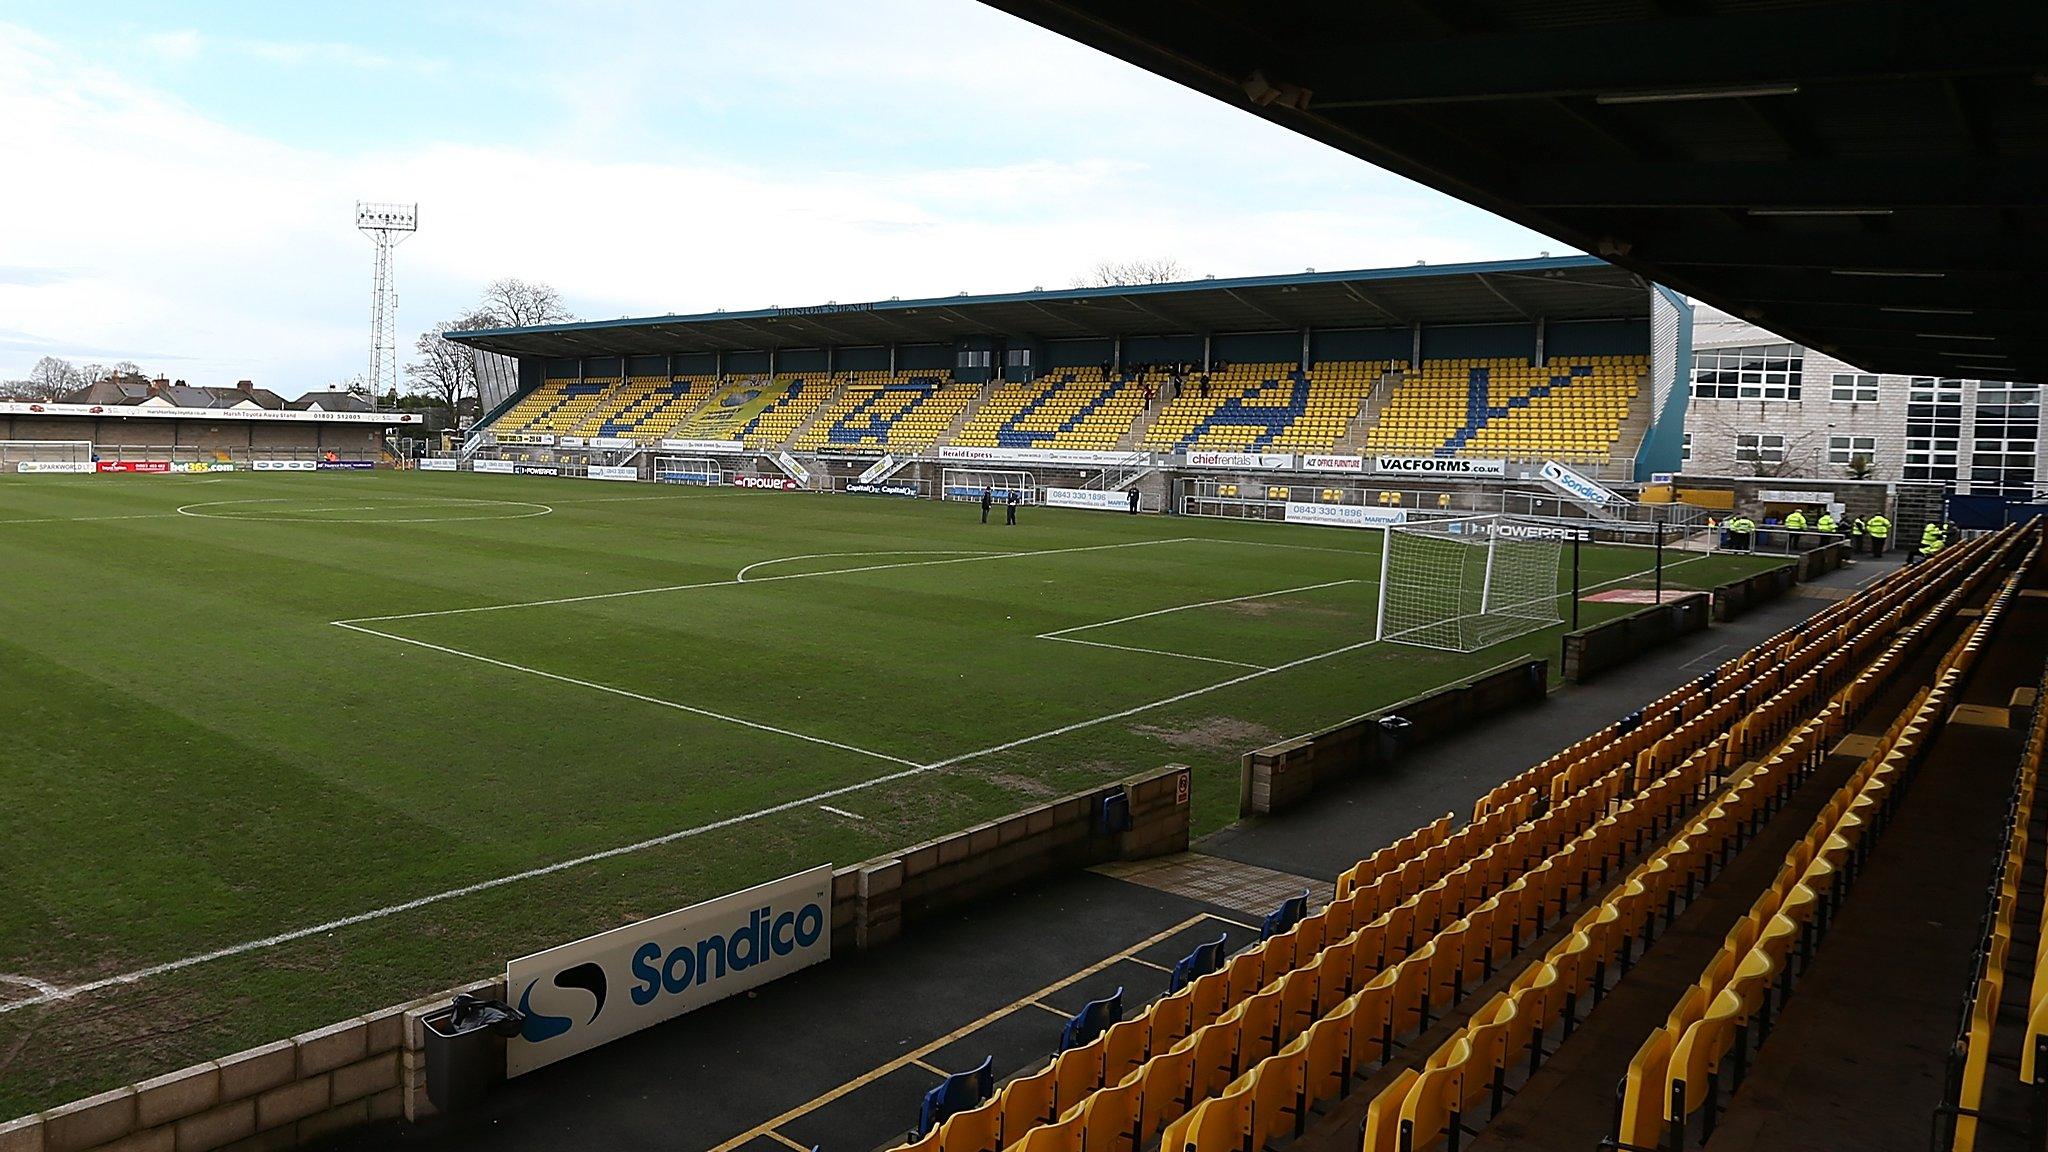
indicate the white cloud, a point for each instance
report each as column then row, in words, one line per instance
column 157, row 232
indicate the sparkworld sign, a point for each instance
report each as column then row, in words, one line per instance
column 615, row 983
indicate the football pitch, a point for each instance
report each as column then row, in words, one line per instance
column 282, row 749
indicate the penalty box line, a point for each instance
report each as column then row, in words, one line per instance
column 1066, row 634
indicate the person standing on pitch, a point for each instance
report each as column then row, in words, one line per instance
column 1010, row 510
column 988, row 499
column 1134, row 501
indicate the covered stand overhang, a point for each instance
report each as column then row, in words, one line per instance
column 1503, row 292
column 1868, row 178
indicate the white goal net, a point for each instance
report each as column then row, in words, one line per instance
column 1468, row 583
column 46, row 456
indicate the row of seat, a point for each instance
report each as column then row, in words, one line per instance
column 1678, row 1071
column 1970, row 1056
column 646, row 407
column 1421, row 1105
column 886, row 415
column 1072, row 408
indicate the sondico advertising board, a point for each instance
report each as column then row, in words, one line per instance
column 615, row 983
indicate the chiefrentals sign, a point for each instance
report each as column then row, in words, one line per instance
column 1255, row 461
column 501, row 467
column 283, row 465
column 437, row 464
column 1439, row 466
column 615, row 983
column 613, row 472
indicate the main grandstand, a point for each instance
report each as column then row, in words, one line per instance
column 1515, row 362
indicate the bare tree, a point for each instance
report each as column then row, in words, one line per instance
column 128, row 368
column 514, row 303
column 446, row 370
column 50, row 379
column 1116, row 273
column 94, row 373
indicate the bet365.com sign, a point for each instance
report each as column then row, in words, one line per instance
column 602, row 987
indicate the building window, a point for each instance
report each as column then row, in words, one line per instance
column 1759, row 448
column 974, row 359
column 1685, row 449
column 1017, row 358
column 1761, row 372
column 2007, row 436
column 1853, row 388
column 1934, row 429
column 1845, row 449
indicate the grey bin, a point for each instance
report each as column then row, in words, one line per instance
column 466, row 1050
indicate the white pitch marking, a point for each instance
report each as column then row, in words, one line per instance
column 141, row 974
column 842, row 812
column 82, row 519
column 1147, row 651
column 42, row 987
column 763, row 580
column 1175, row 699
column 630, row 695
column 742, row 577
column 1184, row 607
column 288, row 516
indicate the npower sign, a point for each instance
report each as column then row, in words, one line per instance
column 600, row 988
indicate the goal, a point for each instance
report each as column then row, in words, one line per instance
column 970, row 483
column 46, row 456
column 1466, row 583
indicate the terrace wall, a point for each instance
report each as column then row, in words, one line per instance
column 1282, row 776
column 1591, row 651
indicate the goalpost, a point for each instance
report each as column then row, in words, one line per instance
column 1466, row 583
column 970, row 483
column 46, row 456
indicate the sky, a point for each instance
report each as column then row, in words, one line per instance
column 181, row 177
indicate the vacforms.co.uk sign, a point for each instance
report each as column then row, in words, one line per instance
column 602, row 987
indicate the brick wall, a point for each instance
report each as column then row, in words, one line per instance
column 1590, row 651
column 1280, row 776
column 273, row 1096
column 873, row 901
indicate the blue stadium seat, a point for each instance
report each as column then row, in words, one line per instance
column 956, row 1093
column 1206, row 958
column 1286, row 916
column 1092, row 1020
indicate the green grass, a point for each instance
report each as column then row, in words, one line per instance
column 197, row 756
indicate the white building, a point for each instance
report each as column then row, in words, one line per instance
column 1762, row 406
